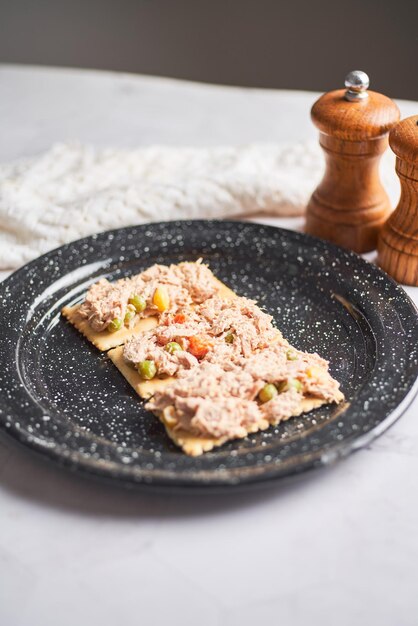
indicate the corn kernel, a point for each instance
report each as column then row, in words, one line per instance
column 314, row 372
column 161, row 299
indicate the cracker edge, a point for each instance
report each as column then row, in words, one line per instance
column 144, row 388
column 195, row 446
column 104, row 340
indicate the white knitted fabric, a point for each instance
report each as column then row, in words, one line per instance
column 74, row 190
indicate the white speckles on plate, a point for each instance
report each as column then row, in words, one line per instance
column 64, row 399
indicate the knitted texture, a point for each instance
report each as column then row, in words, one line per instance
column 74, row 190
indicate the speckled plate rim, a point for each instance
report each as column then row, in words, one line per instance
column 168, row 480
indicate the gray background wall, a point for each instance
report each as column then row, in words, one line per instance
column 297, row 44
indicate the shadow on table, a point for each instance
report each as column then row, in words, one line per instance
column 33, row 478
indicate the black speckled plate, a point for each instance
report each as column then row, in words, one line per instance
column 64, row 399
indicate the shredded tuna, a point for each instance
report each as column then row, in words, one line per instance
column 186, row 283
column 273, row 365
column 222, row 313
column 104, row 302
column 198, row 280
column 220, row 397
column 203, row 332
column 270, row 365
column 173, row 332
column 151, row 345
column 230, row 417
column 242, row 321
column 208, row 400
column 207, row 381
column 282, row 406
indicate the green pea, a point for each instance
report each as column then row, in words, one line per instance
column 147, row 369
column 229, row 338
column 268, row 392
column 129, row 315
column 139, row 302
column 173, row 347
column 294, row 383
column 291, row 356
column 115, row 325
column 291, row 383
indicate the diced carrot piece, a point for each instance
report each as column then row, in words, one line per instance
column 179, row 318
column 199, row 346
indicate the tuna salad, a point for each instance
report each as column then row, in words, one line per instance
column 158, row 289
column 219, row 331
column 216, row 366
column 226, row 400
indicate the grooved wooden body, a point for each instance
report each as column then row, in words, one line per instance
column 398, row 242
column 350, row 205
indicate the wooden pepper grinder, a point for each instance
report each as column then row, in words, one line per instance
column 398, row 241
column 350, row 205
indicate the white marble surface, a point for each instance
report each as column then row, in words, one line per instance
column 338, row 547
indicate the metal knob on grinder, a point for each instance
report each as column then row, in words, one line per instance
column 357, row 83
column 349, row 206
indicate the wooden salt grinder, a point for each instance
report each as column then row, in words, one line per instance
column 350, row 205
column 398, row 241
